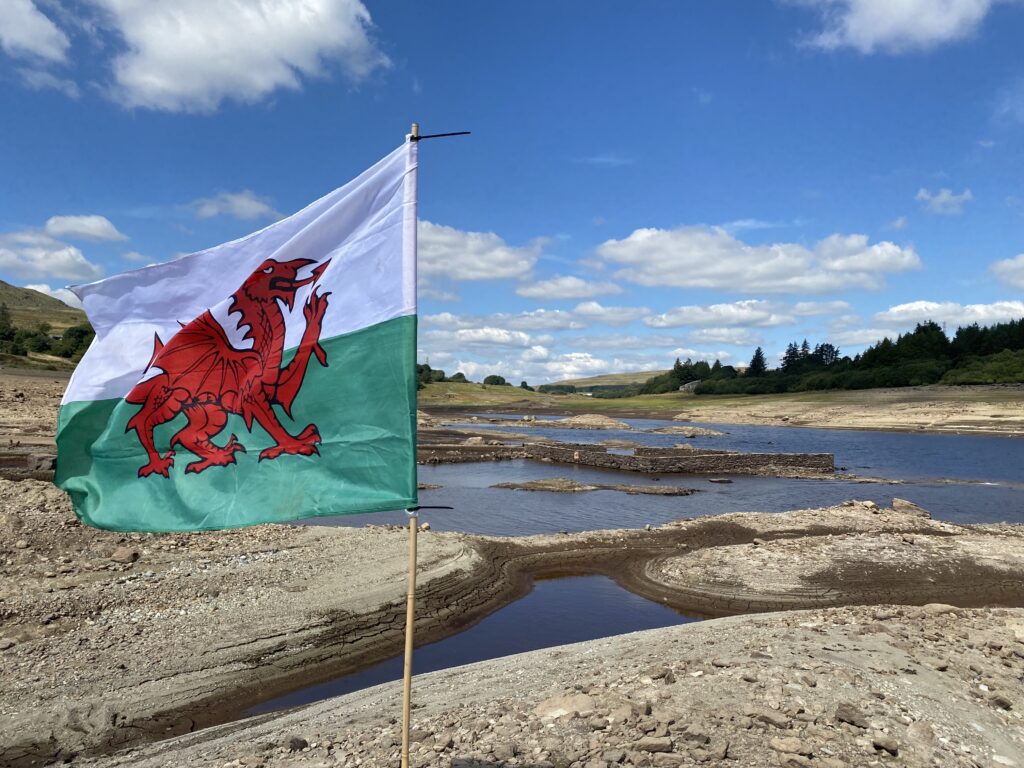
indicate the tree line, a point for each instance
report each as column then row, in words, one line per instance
column 974, row 355
column 71, row 344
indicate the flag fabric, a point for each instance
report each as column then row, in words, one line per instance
column 267, row 379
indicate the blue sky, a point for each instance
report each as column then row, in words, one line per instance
column 643, row 181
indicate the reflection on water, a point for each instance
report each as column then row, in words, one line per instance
column 556, row 612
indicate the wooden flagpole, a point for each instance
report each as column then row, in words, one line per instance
column 410, row 602
column 409, row 620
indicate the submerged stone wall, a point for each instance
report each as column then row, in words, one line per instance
column 681, row 460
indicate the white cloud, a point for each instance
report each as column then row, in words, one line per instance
column 135, row 256
column 943, row 202
column 597, row 313
column 905, row 315
column 192, row 55
column 711, row 257
column 245, row 205
column 1010, row 271
column 537, row 320
column 896, row 26
column 816, row 308
column 861, row 337
column 568, row 287
column 502, row 337
column 737, row 336
column 752, row 312
column 900, row 222
column 458, row 255
column 25, row 32
column 33, row 255
column 619, row 341
column 41, row 80
column 83, row 228
column 61, row 294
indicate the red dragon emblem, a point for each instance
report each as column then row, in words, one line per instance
column 205, row 377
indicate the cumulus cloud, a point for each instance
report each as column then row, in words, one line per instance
column 896, row 26
column 900, row 222
column 136, row 257
column 33, row 255
column 943, row 202
column 61, row 294
column 192, row 55
column 737, row 336
column 459, row 255
column 536, row 320
column 711, row 257
column 861, row 337
column 27, row 33
column 567, row 287
column 1010, row 271
column 245, row 205
column 597, row 313
column 905, row 315
column 750, row 313
column 83, row 228
column 480, row 336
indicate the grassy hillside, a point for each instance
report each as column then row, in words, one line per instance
column 610, row 379
column 28, row 308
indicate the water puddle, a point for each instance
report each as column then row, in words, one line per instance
column 556, row 612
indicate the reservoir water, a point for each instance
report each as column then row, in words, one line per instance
column 963, row 479
column 556, row 612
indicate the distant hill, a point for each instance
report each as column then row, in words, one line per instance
column 28, row 308
column 611, row 379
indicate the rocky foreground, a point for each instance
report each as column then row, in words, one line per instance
column 111, row 641
column 885, row 685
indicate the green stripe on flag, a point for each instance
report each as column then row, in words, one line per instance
column 364, row 405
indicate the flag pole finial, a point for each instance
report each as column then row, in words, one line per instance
column 415, row 131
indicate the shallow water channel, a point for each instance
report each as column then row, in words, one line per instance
column 555, row 612
column 964, row 479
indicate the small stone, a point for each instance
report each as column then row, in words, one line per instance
column 921, row 732
column 557, row 706
column 297, row 744
column 613, row 755
column 21, row 544
column 848, row 713
column 771, row 718
column 885, row 742
column 424, row 526
column 939, row 609
column 124, row 555
column 909, row 508
column 654, row 744
column 721, row 663
column 5, row 643
column 789, row 744
column 1000, row 701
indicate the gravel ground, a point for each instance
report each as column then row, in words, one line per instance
column 872, row 686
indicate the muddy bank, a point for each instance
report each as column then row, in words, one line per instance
column 835, row 688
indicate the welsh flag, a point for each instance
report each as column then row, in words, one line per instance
column 263, row 380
